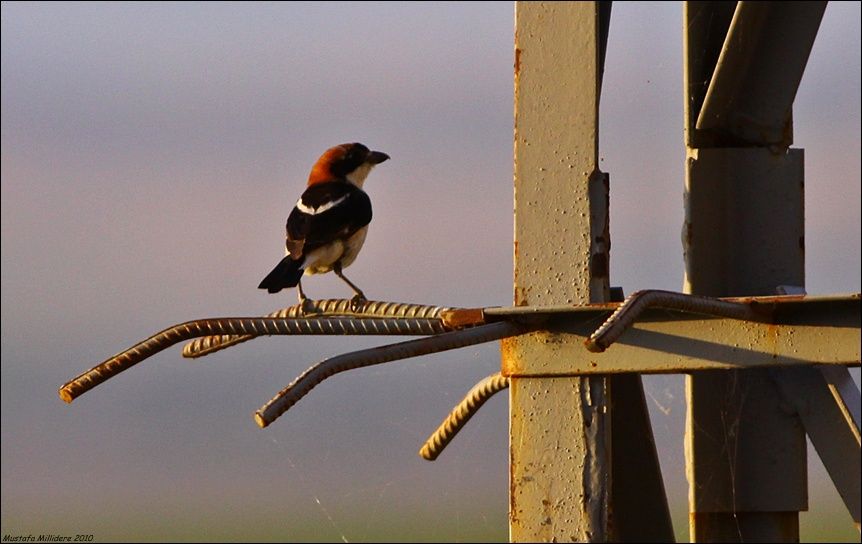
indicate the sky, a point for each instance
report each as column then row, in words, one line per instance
column 150, row 155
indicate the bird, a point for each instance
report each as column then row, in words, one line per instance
column 327, row 226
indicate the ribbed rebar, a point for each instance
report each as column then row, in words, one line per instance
column 461, row 414
column 309, row 379
column 427, row 317
column 252, row 326
column 626, row 314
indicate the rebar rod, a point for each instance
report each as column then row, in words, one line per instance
column 254, row 326
column 329, row 308
column 626, row 314
column 461, row 414
column 309, row 379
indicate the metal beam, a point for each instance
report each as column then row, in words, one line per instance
column 835, row 435
column 744, row 231
column 751, row 92
column 706, row 25
column 846, row 395
column 638, row 498
column 559, row 427
column 743, row 235
column 794, row 331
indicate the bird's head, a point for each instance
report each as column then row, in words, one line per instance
column 349, row 162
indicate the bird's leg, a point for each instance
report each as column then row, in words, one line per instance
column 358, row 301
column 305, row 305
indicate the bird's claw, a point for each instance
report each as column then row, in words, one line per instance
column 358, row 302
column 307, row 306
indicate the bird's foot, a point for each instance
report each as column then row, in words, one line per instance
column 358, row 302
column 307, row 306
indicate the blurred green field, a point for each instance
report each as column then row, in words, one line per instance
column 483, row 524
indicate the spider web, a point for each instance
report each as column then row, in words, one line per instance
column 391, row 494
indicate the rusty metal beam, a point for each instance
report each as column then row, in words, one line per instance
column 794, row 330
column 559, row 427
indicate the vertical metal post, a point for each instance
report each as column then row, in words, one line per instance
column 559, row 427
column 743, row 235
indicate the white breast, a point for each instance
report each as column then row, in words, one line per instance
column 322, row 259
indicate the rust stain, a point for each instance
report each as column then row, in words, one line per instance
column 464, row 317
column 609, row 306
column 517, row 61
column 764, row 299
column 509, row 356
column 513, row 516
column 765, row 305
column 521, row 296
column 513, row 513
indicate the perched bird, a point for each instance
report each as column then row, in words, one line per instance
column 327, row 227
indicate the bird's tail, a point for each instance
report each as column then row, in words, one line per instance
column 285, row 274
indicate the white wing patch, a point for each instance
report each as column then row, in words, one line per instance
column 320, row 209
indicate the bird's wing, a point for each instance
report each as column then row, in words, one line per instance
column 326, row 212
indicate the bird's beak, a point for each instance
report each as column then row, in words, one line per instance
column 376, row 157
